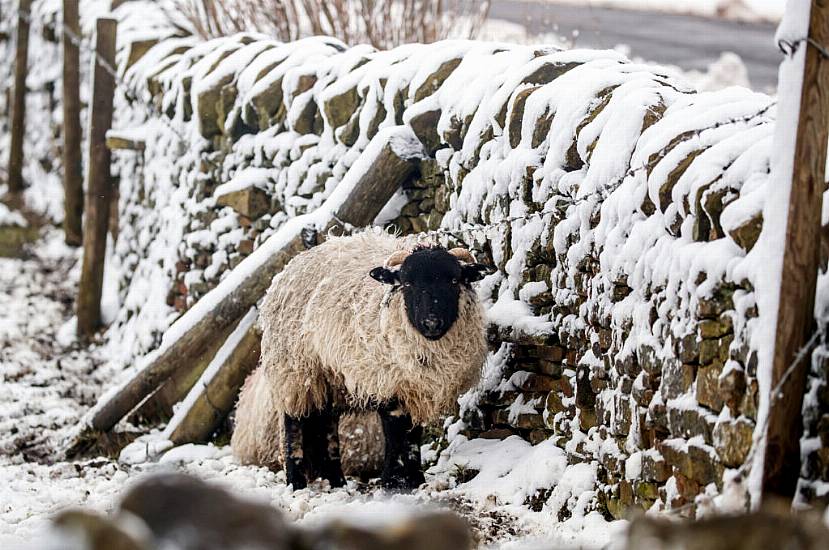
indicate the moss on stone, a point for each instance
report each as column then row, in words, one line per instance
column 340, row 108
column 516, row 115
column 747, row 233
column 548, row 72
column 436, row 79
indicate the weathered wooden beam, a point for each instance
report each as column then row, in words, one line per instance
column 801, row 256
column 18, row 123
column 381, row 169
column 99, row 185
column 124, row 141
column 72, row 133
column 158, row 406
column 215, row 393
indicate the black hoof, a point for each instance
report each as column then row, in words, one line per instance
column 407, row 483
column 336, row 480
column 297, row 482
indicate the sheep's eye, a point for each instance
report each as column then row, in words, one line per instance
column 454, row 281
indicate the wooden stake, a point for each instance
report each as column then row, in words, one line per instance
column 72, row 168
column 215, row 393
column 158, row 407
column 18, row 129
column 795, row 316
column 99, row 186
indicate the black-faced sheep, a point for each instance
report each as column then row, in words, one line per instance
column 334, row 340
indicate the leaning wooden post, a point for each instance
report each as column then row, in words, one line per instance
column 214, row 394
column 99, row 184
column 21, row 62
column 72, row 168
column 801, row 256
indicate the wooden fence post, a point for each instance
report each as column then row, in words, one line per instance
column 99, row 185
column 801, row 256
column 19, row 101
column 72, row 167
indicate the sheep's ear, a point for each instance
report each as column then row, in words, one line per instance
column 385, row 275
column 474, row 272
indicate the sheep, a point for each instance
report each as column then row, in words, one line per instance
column 335, row 341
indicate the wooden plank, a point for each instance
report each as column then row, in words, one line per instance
column 117, row 141
column 99, row 185
column 18, row 123
column 72, row 133
column 213, row 396
column 158, row 407
column 383, row 167
column 801, row 256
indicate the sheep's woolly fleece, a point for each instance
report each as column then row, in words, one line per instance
column 331, row 330
column 344, row 339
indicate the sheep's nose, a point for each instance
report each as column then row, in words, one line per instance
column 432, row 322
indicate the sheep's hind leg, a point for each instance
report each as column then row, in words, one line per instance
column 401, row 465
column 294, row 453
column 322, row 446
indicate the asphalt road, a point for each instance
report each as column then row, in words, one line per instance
column 686, row 41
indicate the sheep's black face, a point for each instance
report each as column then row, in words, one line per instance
column 431, row 280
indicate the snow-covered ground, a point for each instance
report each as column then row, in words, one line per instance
column 49, row 382
column 745, row 10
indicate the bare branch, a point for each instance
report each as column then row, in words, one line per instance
column 381, row 23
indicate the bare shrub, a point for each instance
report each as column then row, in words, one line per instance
column 381, row 23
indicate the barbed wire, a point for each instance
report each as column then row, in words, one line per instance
column 776, row 394
column 790, row 47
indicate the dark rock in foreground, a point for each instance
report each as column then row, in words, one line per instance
column 185, row 513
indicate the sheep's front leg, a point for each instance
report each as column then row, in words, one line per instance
column 294, row 453
column 322, row 446
column 401, row 465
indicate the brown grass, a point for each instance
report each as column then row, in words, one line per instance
column 381, row 23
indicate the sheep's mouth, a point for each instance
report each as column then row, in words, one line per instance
column 433, row 335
